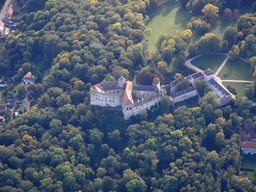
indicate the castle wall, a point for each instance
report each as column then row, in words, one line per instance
column 131, row 110
column 144, row 94
column 184, row 96
column 105, row 99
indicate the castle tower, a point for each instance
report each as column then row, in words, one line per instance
column 156, row 83
column 121, row 81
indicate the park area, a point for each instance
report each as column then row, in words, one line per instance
column 167, row 19
column 212, row 62
column 172, row 19
column 236, row 70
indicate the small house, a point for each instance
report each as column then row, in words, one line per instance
column 28, row 79
column 2, row 109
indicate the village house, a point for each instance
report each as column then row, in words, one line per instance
column 248, row 147
column 28, row 79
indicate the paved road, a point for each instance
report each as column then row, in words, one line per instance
column 236, row 81
column 2, row 13
column 190, row 66
column 222, row 65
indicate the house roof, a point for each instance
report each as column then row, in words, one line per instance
column 176, row 81
column 2, row 107
column 156, row 81
column 9, row 11
column 208, row 72
column 219, row 87
column 110, row 86
column 29, row 74
column 147, row 99
column 248, row 144
column 144, row 88
column 197, row 75
column 182, row 92
column 127, row 96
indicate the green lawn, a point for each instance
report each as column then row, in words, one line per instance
column 249, row 162
column 239, row 87
column 209, row 61
column 167, row 19
column 237, row 70
column 171, row 19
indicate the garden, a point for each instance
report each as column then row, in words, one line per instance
column 236, row 70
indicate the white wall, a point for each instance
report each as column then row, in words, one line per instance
column 249, row 151
column 104, row 99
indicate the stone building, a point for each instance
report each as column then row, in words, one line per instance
column 134, row 98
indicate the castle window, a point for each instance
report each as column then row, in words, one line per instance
column 127, row 109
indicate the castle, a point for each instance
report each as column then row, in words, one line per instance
column 135, row 98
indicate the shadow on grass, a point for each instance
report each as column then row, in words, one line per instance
column 182, row 17
column 169, row 7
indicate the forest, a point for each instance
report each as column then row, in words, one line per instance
column 62, row 143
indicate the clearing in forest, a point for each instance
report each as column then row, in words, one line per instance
column 167, row 19
column 212, row 62
column 236, row 70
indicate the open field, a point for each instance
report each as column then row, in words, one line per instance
column 208, row 61
column 168, row 19
column 236, row 70
column 171, row 19
column 249, row 162
column 239, row 87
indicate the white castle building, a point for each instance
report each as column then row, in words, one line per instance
column 135, row 98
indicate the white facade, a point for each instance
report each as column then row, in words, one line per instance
column 249, row 151
column 105, row 99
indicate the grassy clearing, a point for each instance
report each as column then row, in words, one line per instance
column 168, row 19
column 249, row 162
column 239, row 87
column 237, row 70
column 209, row 61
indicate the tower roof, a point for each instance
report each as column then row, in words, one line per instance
column 156, row 81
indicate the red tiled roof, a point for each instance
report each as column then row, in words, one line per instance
column 29, row 74
column 98, row 87
column 127, row 96
column 9, row 11
column 248, row 144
